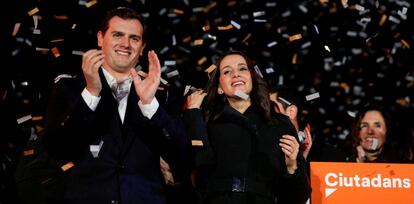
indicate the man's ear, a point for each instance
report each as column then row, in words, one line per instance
column 100, row 37
column 292, row 111
column 142, row 49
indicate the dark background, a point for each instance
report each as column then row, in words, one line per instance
column 350, row 52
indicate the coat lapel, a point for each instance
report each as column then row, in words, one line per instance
column 133, row 122
column 108, row 109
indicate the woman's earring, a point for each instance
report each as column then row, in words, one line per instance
column 220, row 91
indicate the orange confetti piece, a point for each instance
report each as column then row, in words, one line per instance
column 141, row 73
column 397, row 35
column 402, row 102
column 186, row 39
column 178, row 11
column 383, row 19
column 231, row 3
column 225, row 27
column 295, row 37
column 37, row 118
column 405, row 44
column 198, row 42
column 247, row 37
column 202, row 60
column 295, row 58
column 33, row 11
column 91, row 3
column 197, row 143
column 206, row 27
column 212, row 5
column 344, row 86
column 67, row 166
column 57, row 40
column 211, row 68
column 28, row 152
column 61, row 17
column 55, row 52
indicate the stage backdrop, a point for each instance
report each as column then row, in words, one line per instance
column 362, row 183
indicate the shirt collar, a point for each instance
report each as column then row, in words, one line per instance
column 112, row 81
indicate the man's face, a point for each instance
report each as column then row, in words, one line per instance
column 122, row 44
column 277, row 104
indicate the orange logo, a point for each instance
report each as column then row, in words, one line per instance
column 364, row 183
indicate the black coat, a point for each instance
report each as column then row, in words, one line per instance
column 243, row 158
column 127, row 168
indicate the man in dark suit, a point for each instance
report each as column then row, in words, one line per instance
column 107, row 126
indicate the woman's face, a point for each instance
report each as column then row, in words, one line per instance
column 234, row 75
column 372, row 131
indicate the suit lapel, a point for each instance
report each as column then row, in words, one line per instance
column 133, row 121
column 108, row 109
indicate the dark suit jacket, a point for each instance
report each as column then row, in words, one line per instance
column 127, row 169
column 241, row 153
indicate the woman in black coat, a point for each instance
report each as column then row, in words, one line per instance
column 243, row 153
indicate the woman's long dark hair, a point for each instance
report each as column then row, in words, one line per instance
column 259, row 94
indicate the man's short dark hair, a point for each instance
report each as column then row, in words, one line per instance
column 124, row 13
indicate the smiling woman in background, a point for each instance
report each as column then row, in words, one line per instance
column 371, row 138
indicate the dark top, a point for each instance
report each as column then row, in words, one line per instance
column 127, row 168
column 241, row 153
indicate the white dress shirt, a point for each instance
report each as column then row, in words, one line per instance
column 148, row 110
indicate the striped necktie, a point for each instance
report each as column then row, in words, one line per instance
column 121, row 90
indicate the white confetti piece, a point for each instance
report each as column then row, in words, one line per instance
column 257, row 69
column 312, row 96
column 170, row 62
column 63, row 76
column 241, row 95
column 236, row 25
column 258, row 13
column 77, row 52
column 269, row 70
column 284, row 101
column 172, row 74
column 271, row 44
column 374, row 145
column 24, row 119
